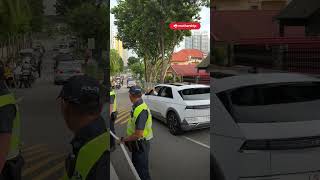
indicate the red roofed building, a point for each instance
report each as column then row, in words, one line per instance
column 187, row 56
column 188, row 73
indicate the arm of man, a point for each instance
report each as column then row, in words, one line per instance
column 140, row 124
column 7, row 114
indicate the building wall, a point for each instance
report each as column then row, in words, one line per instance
column 198, row 40
column 313, row 28
column 249, row 4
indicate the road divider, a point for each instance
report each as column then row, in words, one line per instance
column 197, row 142
column 133, row 169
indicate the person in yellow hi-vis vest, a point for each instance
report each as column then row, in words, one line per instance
column 113, row 115
column 11, row 161
column 139, row 133
column 81, row 104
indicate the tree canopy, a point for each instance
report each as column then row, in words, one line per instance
column 144, row 27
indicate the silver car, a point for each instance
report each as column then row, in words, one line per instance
column 65, row 70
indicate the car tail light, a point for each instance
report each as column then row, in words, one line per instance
column 59, row 72
column 198, row 107
column 282, row 144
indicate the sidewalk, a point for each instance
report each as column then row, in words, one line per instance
column 113, row 174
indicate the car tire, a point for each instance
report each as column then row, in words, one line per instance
column 173, row 122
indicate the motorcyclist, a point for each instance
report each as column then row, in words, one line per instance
column 26, row 73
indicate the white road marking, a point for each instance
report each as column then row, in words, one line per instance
column 197, row 142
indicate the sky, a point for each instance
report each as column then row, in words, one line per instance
column 205, row 23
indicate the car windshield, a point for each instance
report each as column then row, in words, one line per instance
column 195, row 94
column 292, row 102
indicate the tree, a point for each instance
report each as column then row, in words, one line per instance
column 115, row 61
column 15, row 17
column 64, row 6
column 144, row 27
column 37, row 10
column 132, row 60
column 138, row 69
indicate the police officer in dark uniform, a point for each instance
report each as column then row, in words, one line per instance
column 81, row 106
column 11, row 161
column 139, row 133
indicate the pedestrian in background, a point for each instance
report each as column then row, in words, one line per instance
column 81, row 106
column 139, row 133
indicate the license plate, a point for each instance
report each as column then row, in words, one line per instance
column 315, row 176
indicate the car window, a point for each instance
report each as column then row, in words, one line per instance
column 166, row 92
column 292, row 102
column 195, row 94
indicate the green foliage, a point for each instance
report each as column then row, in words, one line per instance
column 15, row 17
column 88, row 21
column 144, row 26
column 116, row 62
column 63, row 6
column 138, row 70
column 132, row 60
column 37, row 11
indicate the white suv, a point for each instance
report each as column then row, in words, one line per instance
column 266, row 126
column 181, row 107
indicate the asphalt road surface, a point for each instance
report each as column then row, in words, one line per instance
column 171, row 157
column 44, row 134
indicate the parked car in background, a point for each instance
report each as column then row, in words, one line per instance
column 266, row 126
column 182, row 107
column 61, row 58
column 65, row 70
column 131, row 83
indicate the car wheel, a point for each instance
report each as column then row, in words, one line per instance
column 173, row 123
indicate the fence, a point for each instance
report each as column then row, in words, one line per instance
column 293, row 55
column 11, row 46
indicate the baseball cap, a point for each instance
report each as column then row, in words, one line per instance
column 135, row 90
column 81, row 90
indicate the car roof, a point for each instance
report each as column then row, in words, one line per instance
column 182, row 86
column 234, row 82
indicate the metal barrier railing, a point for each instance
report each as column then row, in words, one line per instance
column 133, row 169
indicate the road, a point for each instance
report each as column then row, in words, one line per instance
column 171, row 157
column 44, row 134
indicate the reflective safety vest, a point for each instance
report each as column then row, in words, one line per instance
column 131, row 126
column 88, row 156
column 15, row 135
column 112, row 93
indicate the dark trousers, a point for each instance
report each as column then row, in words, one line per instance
column 113, row 119
column 12, row 169
column 140, row 161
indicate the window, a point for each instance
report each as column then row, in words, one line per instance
column 195, row 94
column 166, row 92
column 284, row 102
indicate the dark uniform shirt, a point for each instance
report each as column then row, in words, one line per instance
column 143, row 116
column 101, row 169
column 7, row 113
